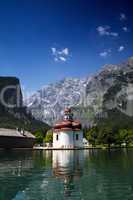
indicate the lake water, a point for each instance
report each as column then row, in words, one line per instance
column 57, row 175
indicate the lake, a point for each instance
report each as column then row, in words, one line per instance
column 57, row 175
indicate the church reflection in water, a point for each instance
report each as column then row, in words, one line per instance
column 68, row 166
column 25, row 174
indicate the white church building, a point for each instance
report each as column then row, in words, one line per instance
column 67, row 134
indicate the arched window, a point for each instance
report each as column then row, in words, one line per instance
column 57, row 137
column 77, row 136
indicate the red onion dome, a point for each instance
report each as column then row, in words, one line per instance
column 67, row 124
column 76, row 125
column 63, row 124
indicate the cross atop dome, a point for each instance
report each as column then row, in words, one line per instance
column 68, row 115
column 67, row 110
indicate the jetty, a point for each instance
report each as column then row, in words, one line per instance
column 13, row 138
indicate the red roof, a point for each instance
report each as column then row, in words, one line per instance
column 67, row 125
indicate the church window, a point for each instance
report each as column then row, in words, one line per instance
column 77, row 136
column 57, row 137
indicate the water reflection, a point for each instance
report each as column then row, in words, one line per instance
column 68, row 166
column 61, row 175
column 13, row 169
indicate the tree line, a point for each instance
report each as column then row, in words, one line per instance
column 108, row 136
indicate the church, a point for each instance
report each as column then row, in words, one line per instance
column 67, row 134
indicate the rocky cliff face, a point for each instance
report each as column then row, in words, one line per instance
column 12, row 112
column 89, row 97
column 47, row 103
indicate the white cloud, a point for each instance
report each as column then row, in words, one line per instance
column 60, row 54
column 62, row 58
column 103, row 30
column 123, row 17
column 125, row 29
column 53, row 50
column 114, row 34
column 106, row 30
column 105, row 53
column 65, row 51
column 121, row 48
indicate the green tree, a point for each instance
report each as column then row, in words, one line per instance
column 106, row 135
column 49, row 137
column 121, row 136
column 39, row 137
column 129, row 137
column 91, row 135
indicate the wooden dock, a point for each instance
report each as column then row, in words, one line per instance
column 63, row 149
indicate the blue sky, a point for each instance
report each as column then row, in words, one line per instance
column 42, row 41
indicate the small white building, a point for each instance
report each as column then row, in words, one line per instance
column 67, row 134
column 85, row 142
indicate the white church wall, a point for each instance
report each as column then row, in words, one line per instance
column 65, row 139
column 78, row 142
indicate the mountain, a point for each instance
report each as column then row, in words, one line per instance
column 48, row 103
column 90, row 97
column 12, row 112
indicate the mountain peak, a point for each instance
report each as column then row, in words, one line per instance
column 86, row 93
